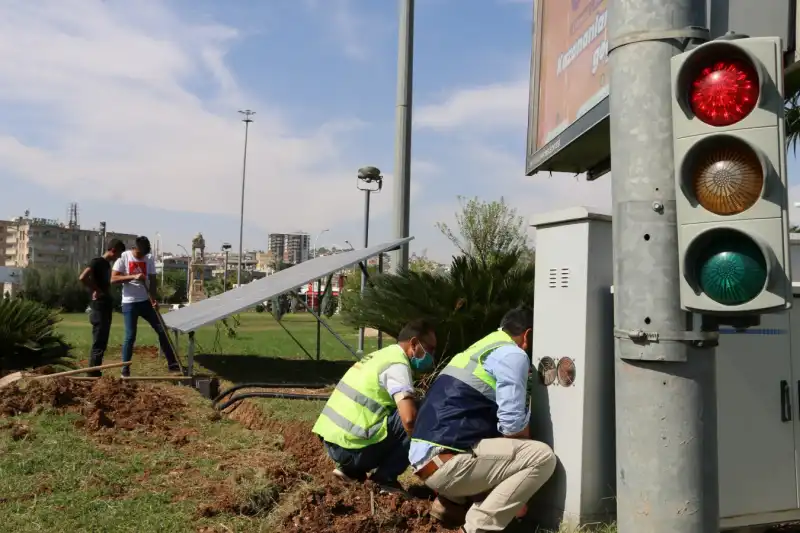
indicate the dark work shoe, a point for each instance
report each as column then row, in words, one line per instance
column 390, row 487
column 175, row 368
column 348, row 477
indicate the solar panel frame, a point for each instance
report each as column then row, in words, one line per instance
column 211, row 310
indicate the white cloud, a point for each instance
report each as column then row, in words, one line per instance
column 477, row 116
column 501, row 105
column 123, row 122
column 350, row 26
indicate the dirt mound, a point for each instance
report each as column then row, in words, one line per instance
column 105, row 403
column 331, row 506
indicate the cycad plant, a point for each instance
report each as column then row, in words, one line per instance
column 466, row 303
column 28, row 336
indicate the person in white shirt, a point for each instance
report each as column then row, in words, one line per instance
column 136, row 271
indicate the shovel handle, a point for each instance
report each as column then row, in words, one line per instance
column 81, row 370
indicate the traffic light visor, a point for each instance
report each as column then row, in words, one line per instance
column 728, row 266
column 725, row 175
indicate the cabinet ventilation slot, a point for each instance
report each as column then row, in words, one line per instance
column 558, row 277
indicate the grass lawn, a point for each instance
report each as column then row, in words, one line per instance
column 261, row 351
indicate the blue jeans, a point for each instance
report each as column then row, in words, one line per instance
column 389, row 458
column 131, row 312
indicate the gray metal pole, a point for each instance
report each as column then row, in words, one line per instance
column 225, row 274
column 363, row 275
column 380, row 271
column 247, row 120
column 402, row 141
column 666, row 411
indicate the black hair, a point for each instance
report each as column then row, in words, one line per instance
column 416, row 328
column 517, row 321
column 143, row 244
column 116, row 245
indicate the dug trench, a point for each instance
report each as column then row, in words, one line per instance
column 286, row 480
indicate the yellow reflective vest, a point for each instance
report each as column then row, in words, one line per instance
column 356, row 414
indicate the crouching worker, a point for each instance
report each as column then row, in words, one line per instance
column 367, row 423
column 472, row 432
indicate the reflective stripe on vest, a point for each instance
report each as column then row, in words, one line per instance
column 355, row 415
column 467, row 366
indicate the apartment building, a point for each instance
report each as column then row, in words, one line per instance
column 47, row 242
column 293, row 248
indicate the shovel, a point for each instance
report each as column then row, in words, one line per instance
column 166, row 331
column 16, row 376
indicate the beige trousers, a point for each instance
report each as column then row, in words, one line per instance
column 512, row 469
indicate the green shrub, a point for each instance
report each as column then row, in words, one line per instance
column 28, row 336
column 466, row 303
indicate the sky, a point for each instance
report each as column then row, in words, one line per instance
column 130, row 109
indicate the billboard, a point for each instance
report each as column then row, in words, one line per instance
column 569, row 84
column 568, row 110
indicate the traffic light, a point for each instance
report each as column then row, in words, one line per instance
column 730, row 177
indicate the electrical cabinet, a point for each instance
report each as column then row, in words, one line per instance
column 758, row 386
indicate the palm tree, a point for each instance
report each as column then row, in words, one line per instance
column 465, row 302
column 792, row 116
column 28, row 336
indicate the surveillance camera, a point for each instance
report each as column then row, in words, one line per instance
column 369, row 174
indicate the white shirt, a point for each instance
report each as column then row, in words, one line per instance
column 135, row 291
column 397, row 381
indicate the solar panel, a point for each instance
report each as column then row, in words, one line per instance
column 241, row 298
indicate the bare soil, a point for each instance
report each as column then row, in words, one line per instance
column 297, row 487
column 104, row 404
column 332, row 506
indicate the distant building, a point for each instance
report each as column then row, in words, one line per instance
column 292, row 248
column 46, row 242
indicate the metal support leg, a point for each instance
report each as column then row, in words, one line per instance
column 319, row 314
column 190, row 356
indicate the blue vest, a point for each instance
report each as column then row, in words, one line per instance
column 460, row 408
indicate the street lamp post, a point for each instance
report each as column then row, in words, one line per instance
column 317, row 240
column 188, row 268
column 372, row 183
column 225, row 248
column 160, row 255
column 247, row 120
column 402, row 141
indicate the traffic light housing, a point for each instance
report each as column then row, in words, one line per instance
column 730, row 177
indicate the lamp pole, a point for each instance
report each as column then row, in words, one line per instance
column 225, row 248
column 402, row 141
column 369, row 180
column 317, row 239
column 247, row 120
column 188, row 268
column 160, row 254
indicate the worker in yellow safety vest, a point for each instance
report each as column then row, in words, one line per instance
column 366, row 424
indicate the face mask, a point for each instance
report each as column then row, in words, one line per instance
column 422, row 364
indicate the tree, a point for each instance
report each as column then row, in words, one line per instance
column 486, row 230
column 494, row 273
column 55, row 287
column 421, row 263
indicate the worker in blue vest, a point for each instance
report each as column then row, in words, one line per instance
column 472, row 435
column 367, row 422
